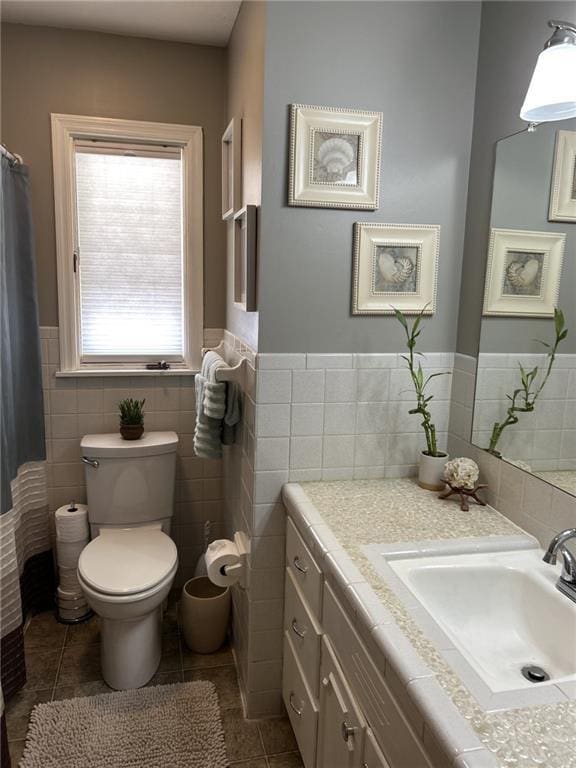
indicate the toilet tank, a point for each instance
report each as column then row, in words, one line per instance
column 133, row 482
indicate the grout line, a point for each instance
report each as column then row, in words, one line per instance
column 60, row 663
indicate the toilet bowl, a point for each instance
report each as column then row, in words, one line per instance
column 125, row 574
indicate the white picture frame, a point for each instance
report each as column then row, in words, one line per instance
column 231, row 168
column 245, row 249
column 395, row 267
column 523, row 274
column 334, row 157
column 563, row 190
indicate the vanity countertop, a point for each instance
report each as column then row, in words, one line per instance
column 337, row 520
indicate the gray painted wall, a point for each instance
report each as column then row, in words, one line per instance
column 520, row 200
column 414, row 61
column 512, row 35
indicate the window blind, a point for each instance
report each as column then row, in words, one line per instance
column 129, row 232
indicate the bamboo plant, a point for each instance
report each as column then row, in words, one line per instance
column 420, row 381
column 524, row 398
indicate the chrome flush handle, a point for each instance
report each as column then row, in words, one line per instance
column 91, row 462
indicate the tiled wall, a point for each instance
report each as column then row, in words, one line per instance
column 546, row 438
column 253, row 507
column 343, row 416
column 462, row 401
column 74, row 407
column 533, row 504
column 308, row 417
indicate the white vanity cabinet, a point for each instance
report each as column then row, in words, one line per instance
column 341, row 726
column 340, row 706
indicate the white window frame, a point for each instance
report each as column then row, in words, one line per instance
column 65, row 130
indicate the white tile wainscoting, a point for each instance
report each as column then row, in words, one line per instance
column 462, row 400
column 530, row 502
column 341, row 417
column 74, row 407
column 545, row 439
column 308, row 417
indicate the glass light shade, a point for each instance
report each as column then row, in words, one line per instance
column 552, row 91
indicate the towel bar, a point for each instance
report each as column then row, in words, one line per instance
column 233, row 373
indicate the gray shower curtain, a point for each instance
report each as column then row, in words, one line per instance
column 26, row 579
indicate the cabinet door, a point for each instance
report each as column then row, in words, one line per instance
column 341, row 731
column 373, row 757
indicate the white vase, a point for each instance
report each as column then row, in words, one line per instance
column 431, row 470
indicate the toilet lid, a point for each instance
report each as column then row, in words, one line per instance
column 127, row 560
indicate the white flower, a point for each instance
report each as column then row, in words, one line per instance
column 462, row 473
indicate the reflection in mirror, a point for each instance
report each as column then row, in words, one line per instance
column 525, row 402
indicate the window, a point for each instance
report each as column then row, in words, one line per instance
column 128, row 198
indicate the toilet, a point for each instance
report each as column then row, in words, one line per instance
column 127, row 569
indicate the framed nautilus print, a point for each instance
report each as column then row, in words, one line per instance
column 334, row 157
column 563, row 192
column 395, row 267
column 523, row 275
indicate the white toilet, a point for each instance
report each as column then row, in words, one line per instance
column 127, row 570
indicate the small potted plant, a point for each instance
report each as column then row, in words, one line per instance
column 432, row 460
column 131, row 418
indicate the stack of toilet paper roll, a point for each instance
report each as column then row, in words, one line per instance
column 72, row 535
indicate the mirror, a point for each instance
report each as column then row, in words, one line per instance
column 525, row 400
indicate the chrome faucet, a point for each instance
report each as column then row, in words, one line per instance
column 567, row 581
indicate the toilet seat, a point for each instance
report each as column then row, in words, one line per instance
column 128, row 561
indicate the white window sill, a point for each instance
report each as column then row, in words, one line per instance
column 97, row 372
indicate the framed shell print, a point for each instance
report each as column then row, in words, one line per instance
column 523, row 275
column 334, row 157
column 232, row 168
column 563, row 192
column 395, row 267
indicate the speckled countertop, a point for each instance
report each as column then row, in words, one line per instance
column 363, row 512
column 565, row 479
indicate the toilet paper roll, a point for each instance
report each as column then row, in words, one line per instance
column 221, row 553
column 70, row 599
column 72, row 522
column 68, row 580
column 68, row 552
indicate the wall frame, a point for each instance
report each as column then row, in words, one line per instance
column 245, row 249
column 334, row 157
column 231, row 168
column 563, row 191
column 523, row 274
column 395, row 267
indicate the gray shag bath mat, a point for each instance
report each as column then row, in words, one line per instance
column 166, row 726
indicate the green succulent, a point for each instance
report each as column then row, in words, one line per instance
column 131, row 411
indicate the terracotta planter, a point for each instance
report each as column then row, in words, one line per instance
column 431, row 470
column 131, row 431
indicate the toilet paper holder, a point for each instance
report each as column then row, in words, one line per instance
column 234, row 572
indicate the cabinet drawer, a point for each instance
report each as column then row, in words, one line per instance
column 300, row 705
column 304, row 569
column 304, row 631
column 373, row 756
column 341, row 724
column 392, row 731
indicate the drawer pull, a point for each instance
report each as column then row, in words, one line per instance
column 348, row 731
column 293, row 707
column 300, row 632
column 298, row 565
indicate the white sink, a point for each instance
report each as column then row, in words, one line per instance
column 501, row 610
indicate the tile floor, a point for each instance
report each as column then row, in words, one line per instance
column 64, row 662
